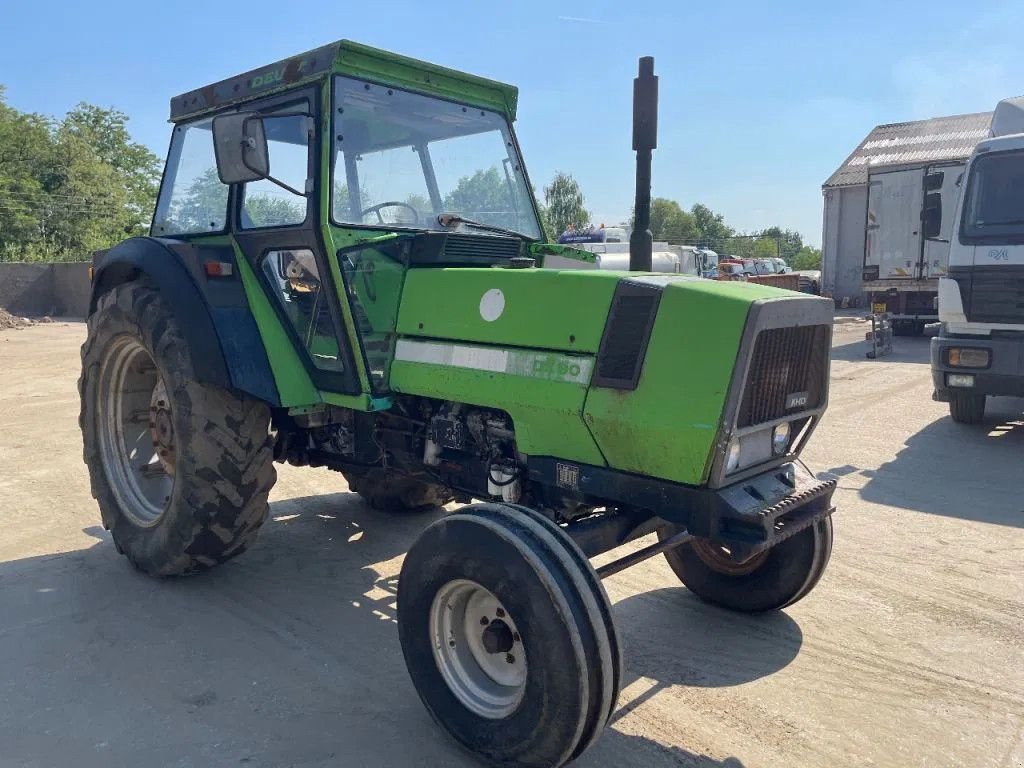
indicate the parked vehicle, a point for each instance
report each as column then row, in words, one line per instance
column 431, row 356
column 903, row 264
column 980, row 348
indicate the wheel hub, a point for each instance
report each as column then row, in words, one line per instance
column 136, row 431
column 161, row 428
column 478, row 649
column 719, row 559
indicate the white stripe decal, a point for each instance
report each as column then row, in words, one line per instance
column 538, row 365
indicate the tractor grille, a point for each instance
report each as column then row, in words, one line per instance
column 787, row 373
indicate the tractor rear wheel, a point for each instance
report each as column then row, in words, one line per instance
column 769, row 581
column 181, row 469
column 508, row 637
column 389, row 491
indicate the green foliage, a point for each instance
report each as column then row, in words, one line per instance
column 807, row 257
column 564, row 204
column 670, row 222
column 71, row 186
column 711, row 226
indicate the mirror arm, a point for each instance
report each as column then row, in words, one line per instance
column 288, row 187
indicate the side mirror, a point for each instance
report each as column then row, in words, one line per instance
column 240, row 146
column 933, row 181
column 931, row 215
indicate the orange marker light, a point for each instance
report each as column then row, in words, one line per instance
column 217, row 269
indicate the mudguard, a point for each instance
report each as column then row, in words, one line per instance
column 213, row 312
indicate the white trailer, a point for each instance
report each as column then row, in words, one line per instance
column 902, row 267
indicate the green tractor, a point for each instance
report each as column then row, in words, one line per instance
column 346, row 269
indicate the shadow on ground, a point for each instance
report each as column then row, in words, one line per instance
column 905, row 349
column 287, row 656
column 975, row 461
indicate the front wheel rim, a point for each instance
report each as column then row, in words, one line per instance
column 478, row 649
column 136, row 433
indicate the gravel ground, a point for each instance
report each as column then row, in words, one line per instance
column 909, row 653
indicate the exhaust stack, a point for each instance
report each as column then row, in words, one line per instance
column 645, row 139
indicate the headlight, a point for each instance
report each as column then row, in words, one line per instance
column 968, row 358
column 780, row 439
column 732, row 457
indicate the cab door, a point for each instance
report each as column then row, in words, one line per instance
column 277, row 230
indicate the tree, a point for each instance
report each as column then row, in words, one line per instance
column 790, row 241
column 564, row 202
column 807, row 257
column 72, row 186
column 670, row 222
column 712, row 231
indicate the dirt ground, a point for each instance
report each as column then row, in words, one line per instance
column 909, row 653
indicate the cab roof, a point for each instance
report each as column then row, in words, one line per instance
column 356, row 60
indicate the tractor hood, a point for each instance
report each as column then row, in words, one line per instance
column 545, row 309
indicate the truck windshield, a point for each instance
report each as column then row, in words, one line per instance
column 994, row 207
column 402, row 158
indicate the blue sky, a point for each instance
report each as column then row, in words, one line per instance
column 760, row 101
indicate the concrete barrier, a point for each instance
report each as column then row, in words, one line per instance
column 35, row 289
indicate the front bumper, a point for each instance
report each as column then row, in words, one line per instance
column 748, row 516
column 1004, row 375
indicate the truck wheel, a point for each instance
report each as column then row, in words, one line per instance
column 507, row 635
column 181, row 470
column 967, row 408
column 390, row 491
column 769, row 581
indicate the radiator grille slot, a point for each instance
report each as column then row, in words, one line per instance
column 460, row 247
column 997, row 297
column 787, row 373
column 620, row 358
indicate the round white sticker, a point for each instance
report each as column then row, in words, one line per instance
column 492, row 304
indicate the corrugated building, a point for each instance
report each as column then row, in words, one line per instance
column 896, row 145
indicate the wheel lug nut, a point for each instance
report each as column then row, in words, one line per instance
column 451, row 643
column 484, row 621
column 510, row 658
column 515, row 636
column 500, row 612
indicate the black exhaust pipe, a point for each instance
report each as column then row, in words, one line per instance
column 645, row 139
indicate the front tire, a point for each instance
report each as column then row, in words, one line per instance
column 507, row 637
column 181, row 469
column 769, row 581
column 967, row 408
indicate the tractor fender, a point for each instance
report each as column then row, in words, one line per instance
column 213, row 312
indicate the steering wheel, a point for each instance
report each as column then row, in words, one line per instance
column 392, row 203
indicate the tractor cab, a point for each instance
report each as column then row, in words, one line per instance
column 327, row 176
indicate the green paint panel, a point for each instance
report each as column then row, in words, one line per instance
column 666, row 428
column 546, row 413
column 363, row 61
column 293, row 383
column 543, row 308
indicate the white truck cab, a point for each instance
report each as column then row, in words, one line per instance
column 980, row 348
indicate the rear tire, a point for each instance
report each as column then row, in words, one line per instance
column 525, row 567
column 389, row 491
column 202, row 497
column 770, row 581
column 967, row 408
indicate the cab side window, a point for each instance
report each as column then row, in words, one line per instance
column 266, row 204
column 192, row 198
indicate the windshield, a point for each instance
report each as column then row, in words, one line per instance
column 402, row 158
column 995, row 198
